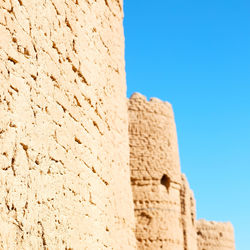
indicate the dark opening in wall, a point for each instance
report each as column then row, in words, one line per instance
column 165, row 181
column 192, row 216
column 199, row 233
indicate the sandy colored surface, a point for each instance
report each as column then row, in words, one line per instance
column 64, row 174
column 67, row 134
column 213, row 235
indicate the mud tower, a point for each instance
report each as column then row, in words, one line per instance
column 162, row 197
column 165, row 208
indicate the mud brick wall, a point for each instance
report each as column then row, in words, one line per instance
column 67, row 134
column 64, row 174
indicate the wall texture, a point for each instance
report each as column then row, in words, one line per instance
column 214, row 235
column 64, row 174
column 64, row 140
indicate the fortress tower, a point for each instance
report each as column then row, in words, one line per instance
column 165, row 209
column 212, row 235
column 155, row 174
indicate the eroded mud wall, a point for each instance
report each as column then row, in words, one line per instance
column 64, row 175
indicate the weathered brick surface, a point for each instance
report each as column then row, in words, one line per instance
column 215, row 235
column 64, row 174
column 64, row 141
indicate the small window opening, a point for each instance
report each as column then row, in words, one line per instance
column 165, row 181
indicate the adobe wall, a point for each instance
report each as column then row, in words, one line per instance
column 64, row 174
column 155, row 174
column 64, row 142
column 215, row 235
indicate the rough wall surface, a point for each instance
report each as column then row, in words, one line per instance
column 64, row 143
column 215, row 235
column 64, row 175
column 155, row 174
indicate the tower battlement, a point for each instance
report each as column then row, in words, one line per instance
column 153, row 140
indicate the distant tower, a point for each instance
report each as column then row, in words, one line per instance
column 155, row 174
column 165, row 208
column 213, row 235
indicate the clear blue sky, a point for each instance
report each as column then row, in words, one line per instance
column 196, row 55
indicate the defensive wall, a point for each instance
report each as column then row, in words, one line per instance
column 82, row 167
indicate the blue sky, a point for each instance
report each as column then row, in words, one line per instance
column 196, row 55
